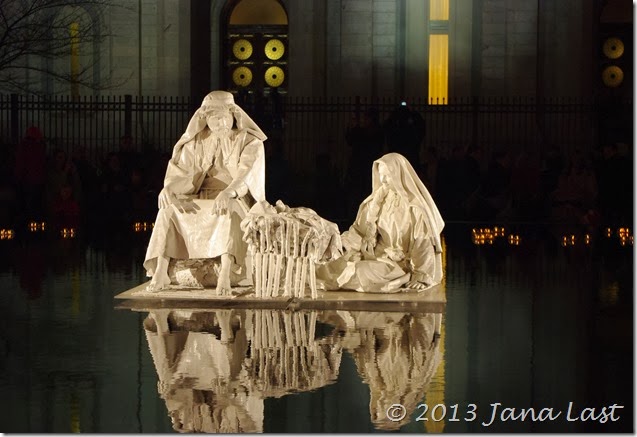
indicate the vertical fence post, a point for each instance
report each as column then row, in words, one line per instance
column 15, row 119
column 475, row 109
column 128, row 115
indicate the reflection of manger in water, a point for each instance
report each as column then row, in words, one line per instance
column 215, row 368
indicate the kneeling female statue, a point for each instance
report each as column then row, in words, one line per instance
column 394, row 242
column 216, row 173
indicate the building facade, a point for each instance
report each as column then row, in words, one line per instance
column 436, row 49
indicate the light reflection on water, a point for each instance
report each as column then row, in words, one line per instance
column 216, row 368
column 535, row 325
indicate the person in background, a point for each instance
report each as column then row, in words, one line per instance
column 65, row 210
column 61, row 173
column 405, row 132
column 30, row 173
column 365, row 137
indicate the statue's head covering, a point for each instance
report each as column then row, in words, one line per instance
column 217, row 101
column 405, row 181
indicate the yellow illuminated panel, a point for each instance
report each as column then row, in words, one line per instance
column 436, row 394
column 438, row 69
column 439, row 10
column 258, row 12
column 74, row 33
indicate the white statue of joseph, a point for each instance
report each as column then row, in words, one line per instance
column 216, row 173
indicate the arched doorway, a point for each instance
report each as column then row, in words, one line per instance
column 255, row 47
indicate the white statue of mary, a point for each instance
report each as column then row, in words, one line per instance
column 216, row 173
column 394, row 242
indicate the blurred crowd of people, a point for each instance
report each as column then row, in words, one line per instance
column 512, row 184
column 41, row 181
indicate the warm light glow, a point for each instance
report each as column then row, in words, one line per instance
column 609, row 294
column 438, row 69
column 143, row 226
column 625, row 236
column 6, row 234
column 482, row 236
column 75, row 412
column 436, row 393
column 258, row 12
column 75, row 292
column 67, row 233
column 439, row 10
column 37, row 226
column 74, row 33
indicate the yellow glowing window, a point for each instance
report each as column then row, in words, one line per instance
column 438, row 69
column 258, row 12
column 439, row 10
column 74, row 33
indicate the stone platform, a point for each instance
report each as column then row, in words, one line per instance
column 137, row 298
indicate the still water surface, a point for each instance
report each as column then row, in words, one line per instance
column 535, row 325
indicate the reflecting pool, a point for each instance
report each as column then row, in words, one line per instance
column 536, row 336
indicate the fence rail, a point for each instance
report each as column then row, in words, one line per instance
column 306, row 126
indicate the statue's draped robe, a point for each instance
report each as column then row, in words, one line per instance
column 404, row 224
column 200, row 169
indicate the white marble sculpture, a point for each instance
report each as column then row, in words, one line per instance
column 216, row 173
column 285, row 245
column 394, row 242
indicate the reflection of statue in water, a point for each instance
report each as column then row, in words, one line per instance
column 397, row 355
column 198, row 361
column 217, row 171
column 395, row 239
column 216, row 368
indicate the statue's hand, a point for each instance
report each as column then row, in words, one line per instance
column 352, row 256
column 221, row 203
column 165, row 198
column 367, row 247
column 395, row 254
column 187, row 206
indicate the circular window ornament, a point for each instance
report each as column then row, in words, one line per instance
column 242, row 76
column 274, row 49
column 242, row 49
column 613, row 48
column 612, row 76
column 274, row 76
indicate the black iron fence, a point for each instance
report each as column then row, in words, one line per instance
column 96, row 123
column 511, row 123
column 306, row 126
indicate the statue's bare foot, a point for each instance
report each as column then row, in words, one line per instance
column 223, row 285
column 159, row 282
column 223, row 282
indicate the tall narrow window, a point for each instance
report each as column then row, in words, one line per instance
column 74, row 33
column 73, row 48
column 438, row 92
